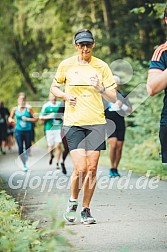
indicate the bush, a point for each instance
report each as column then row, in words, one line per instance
column 19, row 235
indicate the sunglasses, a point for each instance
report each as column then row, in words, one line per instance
column 82, row 45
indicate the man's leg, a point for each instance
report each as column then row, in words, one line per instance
column 58, row 152
column 51, row 151
column 3, row 146
column 113, row 156
column 3, row 138
column 58, row 148
column 79, row 160
column 80, row 168
column 90, row 179
column 66, row 149
column 119, row 146
column 112, row 150
column 50, row 143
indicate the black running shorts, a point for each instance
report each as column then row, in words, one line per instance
column 115, row 126
column 89, row 137
column 163, row 141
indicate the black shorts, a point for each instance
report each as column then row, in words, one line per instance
column 115, row 126
column 163, row 141
column 89, row 137
column 3, row 133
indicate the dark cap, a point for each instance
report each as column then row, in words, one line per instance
column 83, row 36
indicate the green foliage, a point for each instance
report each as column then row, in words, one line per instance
column 18, row 235
column 36, row 35
column 142, row 147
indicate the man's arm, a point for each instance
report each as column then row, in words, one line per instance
column 11, row 116
column 108, row 93
column 156, row 81
column 56, row 91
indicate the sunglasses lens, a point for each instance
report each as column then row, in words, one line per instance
column 88, row 45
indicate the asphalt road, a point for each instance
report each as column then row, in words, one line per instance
column 131, row 211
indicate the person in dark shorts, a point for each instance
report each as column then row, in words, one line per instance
column 86, row 80
column 157, row 82
column 115, row 127
column 10, row 135
column 4, row 114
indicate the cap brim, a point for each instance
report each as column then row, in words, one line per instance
column 84, row 40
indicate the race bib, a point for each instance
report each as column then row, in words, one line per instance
column 23, row 124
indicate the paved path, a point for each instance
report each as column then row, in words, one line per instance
column 131, row 212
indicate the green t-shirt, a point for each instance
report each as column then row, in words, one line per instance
column 52, row 124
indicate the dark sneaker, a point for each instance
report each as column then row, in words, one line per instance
column 70, row 215
column 64, row 171
column 86, row 217
column 51, row 159
column 113, row 173
column 117, row 174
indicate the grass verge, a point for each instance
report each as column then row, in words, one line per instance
column 18, row 234
column 139, row 166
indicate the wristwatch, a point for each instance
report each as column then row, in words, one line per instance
column 102, row 90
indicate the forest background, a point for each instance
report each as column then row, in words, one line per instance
column 36, row 35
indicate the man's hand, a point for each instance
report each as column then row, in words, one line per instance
column 71, row 99
column 51, row 115
column 96, row 83
column 119, row 103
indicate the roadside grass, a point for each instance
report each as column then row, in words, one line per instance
column 18, row 234
column 136, row 165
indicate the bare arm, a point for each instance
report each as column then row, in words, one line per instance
column 108, row 93
column 47, row 117
column 11, row 116
column 30, row 119
column 156, row 81
column 70, row 98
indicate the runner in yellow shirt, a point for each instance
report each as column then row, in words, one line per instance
column 86, row 79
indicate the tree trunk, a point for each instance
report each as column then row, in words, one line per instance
column 16, row 54
column 109, row 25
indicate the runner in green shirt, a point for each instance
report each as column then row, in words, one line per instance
column 52, row 127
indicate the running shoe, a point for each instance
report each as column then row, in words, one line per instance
column 64, row 171
column 3, row 152
column 117, row 174
column 57, row 166
column 51, row 159
column 70, row 215
column 25, row 168
column 113, row 173
column 86, row 217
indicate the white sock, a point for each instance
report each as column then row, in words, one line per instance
column 72, row 199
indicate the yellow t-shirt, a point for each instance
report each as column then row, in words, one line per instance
column 89, row 109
